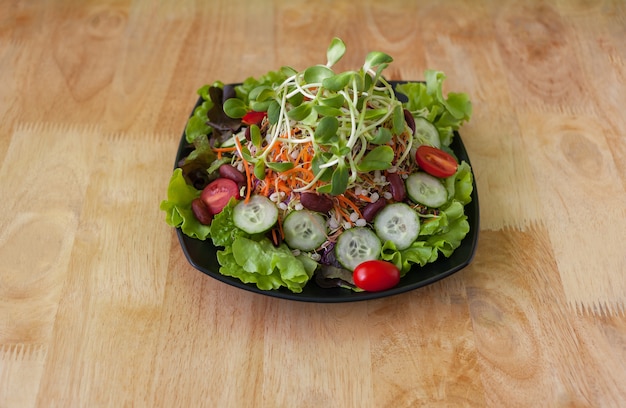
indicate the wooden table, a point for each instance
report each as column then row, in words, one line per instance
column 99, row 307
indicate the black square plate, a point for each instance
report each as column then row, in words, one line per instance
column 202, row 254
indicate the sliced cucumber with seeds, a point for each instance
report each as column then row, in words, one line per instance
column 399, row 224
column 425, row 189
column 426, row 133
column 357, row 245
column 257, row 215
column 304, row 230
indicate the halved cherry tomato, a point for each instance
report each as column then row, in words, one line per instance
column 253, row 118
column 218, row 193
column 435, row 161
column 376, row 275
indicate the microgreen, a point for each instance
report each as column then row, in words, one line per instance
column 349, row 118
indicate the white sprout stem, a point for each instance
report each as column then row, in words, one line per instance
column 407, row 150
column 353, row 172
column 329, row 164
column 277, row 128
column 303, row 89
column 352, row 107
column 293, row 141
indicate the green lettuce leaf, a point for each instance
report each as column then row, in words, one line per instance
column 197, row 123
column 177, row 207
column 460, row 186
column 427, row 100
column 441, row 233
column 223, row 229
column 420, row 253
column 265, row 265
column 271, row 79
column 447, row 242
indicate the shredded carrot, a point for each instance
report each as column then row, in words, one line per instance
column 346, row 201
column 249, row 183
column 341, row 212
column 221, row 150
column 226, row 149
column 266, row 188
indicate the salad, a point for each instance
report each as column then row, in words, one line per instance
column 324, row 177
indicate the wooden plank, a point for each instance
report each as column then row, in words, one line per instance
column 43, row 196
column 109, row 314
column 426, row 333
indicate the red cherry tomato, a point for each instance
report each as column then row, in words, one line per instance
column 376, row 275
column 253, row 118
column 218, row 193
column 435, row 161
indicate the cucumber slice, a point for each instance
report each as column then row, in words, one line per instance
column 259, row 214
column 426, row 133
column 426, row 189
column 397, row 223
column 230, row 142
column 304, row 230
column 357, row 245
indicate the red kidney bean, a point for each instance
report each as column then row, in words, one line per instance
column 410, row 121
column 396, row 184
column 371, row 209
column 230, row 172
column 201, row 211
column 316, row 202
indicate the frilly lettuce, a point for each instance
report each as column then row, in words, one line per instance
column 177, row 207
column 254, row 259
column 265, row 265
column 441, row 233
column 223, row 229
column 427, row 100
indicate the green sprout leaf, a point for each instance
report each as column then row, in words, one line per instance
column 320, row 159
column 375, row 114
column 327, row 110
column 245, row 153
column 339, row 181
column 325, row 189
column 261, row 93
column 288, row 71
column 280, row 166
column 235, row 108
column 259, row 170
column 398, row 120
column 296, row 100
column 375, row 58
column 336, row 50
column 255, row 135
column 340, row 149
column 377, row 159
column 273, row 112
column 338, row 82
column 382, row 136
column 317, row 74
column 300, row 112
column 335, row 101
column 260, row 106
column 326, row 129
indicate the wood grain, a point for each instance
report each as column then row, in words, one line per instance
column 99, row 307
